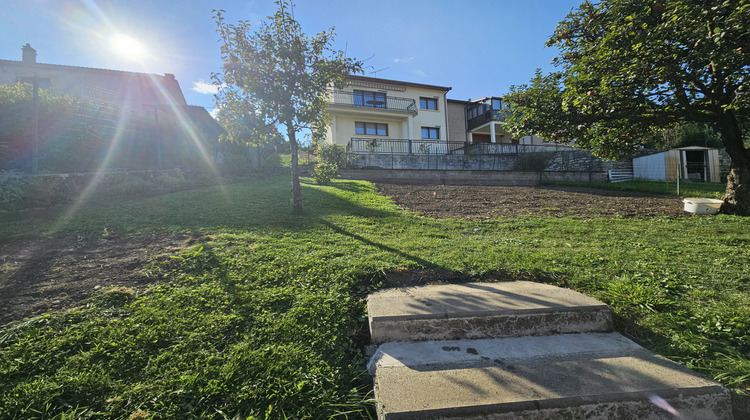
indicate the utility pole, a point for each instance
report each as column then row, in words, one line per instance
column 35, row 128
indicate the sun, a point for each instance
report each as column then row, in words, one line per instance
column 129, row 48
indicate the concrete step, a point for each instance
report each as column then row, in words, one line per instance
column 572, row 376
column 482, row 310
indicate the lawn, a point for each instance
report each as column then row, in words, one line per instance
column 263, row 315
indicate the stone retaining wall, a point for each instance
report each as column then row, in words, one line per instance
column 553, row 161
column 470, row 177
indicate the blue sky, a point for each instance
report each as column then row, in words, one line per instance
column 477, row 47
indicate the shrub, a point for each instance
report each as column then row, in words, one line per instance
column 331, row 158
column 332, row 154
column 323, row 172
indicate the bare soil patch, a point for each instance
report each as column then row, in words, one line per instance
column 49, row 273
column 57, row 272
column 474, row 202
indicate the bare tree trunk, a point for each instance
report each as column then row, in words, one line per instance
column 737, row 195
column 296, row 189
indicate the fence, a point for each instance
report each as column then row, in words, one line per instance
column 361, row 145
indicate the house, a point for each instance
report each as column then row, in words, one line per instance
column 373, row 115
column 139, row 91
column 692, row 163
column 388, row 116
column 155, row 128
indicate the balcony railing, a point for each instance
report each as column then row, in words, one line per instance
column 365, row 145
column 361, row 145
column 390, row 103
column 485, row 117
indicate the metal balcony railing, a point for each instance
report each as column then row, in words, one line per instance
column 374, row 101
column 366, row 145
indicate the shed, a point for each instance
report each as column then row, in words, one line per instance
column 692, row 163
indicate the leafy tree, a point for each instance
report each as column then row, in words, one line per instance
column 282, row 76
column 629, row 68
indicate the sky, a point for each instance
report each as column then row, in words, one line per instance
column 477, row 47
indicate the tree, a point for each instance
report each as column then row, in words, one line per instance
column 282, row 75
column 629, row 68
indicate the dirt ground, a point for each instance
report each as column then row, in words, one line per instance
column 49, row 273
column 472, row 202
column 44, row 274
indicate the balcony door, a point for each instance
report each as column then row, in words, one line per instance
column 369, row 99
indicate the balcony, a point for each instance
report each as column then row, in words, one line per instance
column 485, row 110
column 360, row 146
column 373, row 101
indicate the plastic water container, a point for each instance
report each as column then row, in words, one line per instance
column 702, row 205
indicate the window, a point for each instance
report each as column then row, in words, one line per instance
column 369, row 99
column 497, row 104
column 432, row 133
column 370, row 129
column 428, row 103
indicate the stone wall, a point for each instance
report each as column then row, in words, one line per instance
column 475, row 177
column 552, row 161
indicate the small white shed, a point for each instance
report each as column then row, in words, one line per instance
column 692, row 163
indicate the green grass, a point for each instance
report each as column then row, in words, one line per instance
column 264, row 317
column 687, row 189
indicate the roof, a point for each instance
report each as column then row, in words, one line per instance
column 115, row 85
column 203, row 120
column 397, row 82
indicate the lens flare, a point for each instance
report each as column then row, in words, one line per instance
column 128, row 47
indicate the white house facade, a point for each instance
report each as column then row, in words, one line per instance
column 372, row 115
column 380, row 115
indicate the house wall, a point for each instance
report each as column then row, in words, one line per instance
column 344, row 117
column 456, row 114
column 344, row 127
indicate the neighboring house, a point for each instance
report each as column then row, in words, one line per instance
column 482, row 120
column 139, row 91
column 389, row 116
column 373, row 115
column 160, row 129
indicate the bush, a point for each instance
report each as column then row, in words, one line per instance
column 331, row 157
column 323, row 172
column 332, row 154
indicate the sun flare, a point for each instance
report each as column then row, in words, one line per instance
column 128, row 47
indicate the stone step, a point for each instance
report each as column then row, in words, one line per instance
column 482, row 310
column 590, row 375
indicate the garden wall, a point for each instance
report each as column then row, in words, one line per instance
column 470, row 177
column 562, row 161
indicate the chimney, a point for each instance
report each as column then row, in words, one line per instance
column 29, row 54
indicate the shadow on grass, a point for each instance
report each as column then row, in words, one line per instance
column 258, row 204
column 422, row 262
